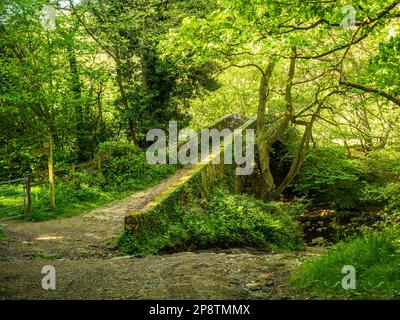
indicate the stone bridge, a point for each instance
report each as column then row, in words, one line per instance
column 195, row 183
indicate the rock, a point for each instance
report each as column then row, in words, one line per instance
column 318, row 241
column 269, row 283
column 253, row 286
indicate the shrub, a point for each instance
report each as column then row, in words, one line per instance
column 226, row 220
column 67, row 193
column 387, row 195
column 329, row 177
column 240, row 220
column 70, row 198
column 149, row 244
column 125, row 167
column 375, row 257
column 382, row 165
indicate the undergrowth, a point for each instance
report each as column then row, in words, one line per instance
column 124, row 170
column 375, row 257
column 224, row 221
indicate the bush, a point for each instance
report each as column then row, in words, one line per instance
column 226, row 220
column 328, row 177
column 67, row 193
column 71, row 198
column 386, row 195
column 149, row 244
column 125, row 167
column 375, row 257
column 382, row 165
column 241, row 220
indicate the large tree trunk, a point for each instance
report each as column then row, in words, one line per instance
column 265, row 143
column 131, row 125
column 76, row 88
column 269, row 184
column 298, row 160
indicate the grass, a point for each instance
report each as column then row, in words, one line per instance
column 65, row 206
column 376, row 258
column 1, row 234
column 11, row 196
column 75, row 197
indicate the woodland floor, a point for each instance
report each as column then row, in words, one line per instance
column 88, row 266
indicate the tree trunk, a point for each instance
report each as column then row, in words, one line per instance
column 265, row 143
column 298, row 160
column 131, row 126
column 76, row 89
column 263, row 149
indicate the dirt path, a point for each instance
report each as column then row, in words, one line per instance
column 89, row 267
column 85, row 236
column 206, row 275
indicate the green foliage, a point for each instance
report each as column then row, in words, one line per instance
column 125, row 167
column 71, row 199
column 329, row 177
column 226, row 220
column 382, row 166
column 1, row 234
column 60, row 82
column 68, row 193
column 375, row 257
column 151, row 90
column 124, row 170
column 383, row 69
column 240, row 220
column 387, row 196
column 237, row 95
column 148, row 244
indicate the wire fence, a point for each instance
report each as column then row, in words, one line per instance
column 16, row 194
column 15, row 197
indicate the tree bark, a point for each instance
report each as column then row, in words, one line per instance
column 131, row 125
column 263, row 149
column 265, row 143
column 298, row 160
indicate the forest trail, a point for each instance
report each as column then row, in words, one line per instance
column 87, row 235
column 88, row 265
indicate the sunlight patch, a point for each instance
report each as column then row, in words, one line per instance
column 49, row 238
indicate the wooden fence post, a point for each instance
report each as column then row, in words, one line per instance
column 28, row 201
column 51, row 174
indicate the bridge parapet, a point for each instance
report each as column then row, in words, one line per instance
column 195, row 183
